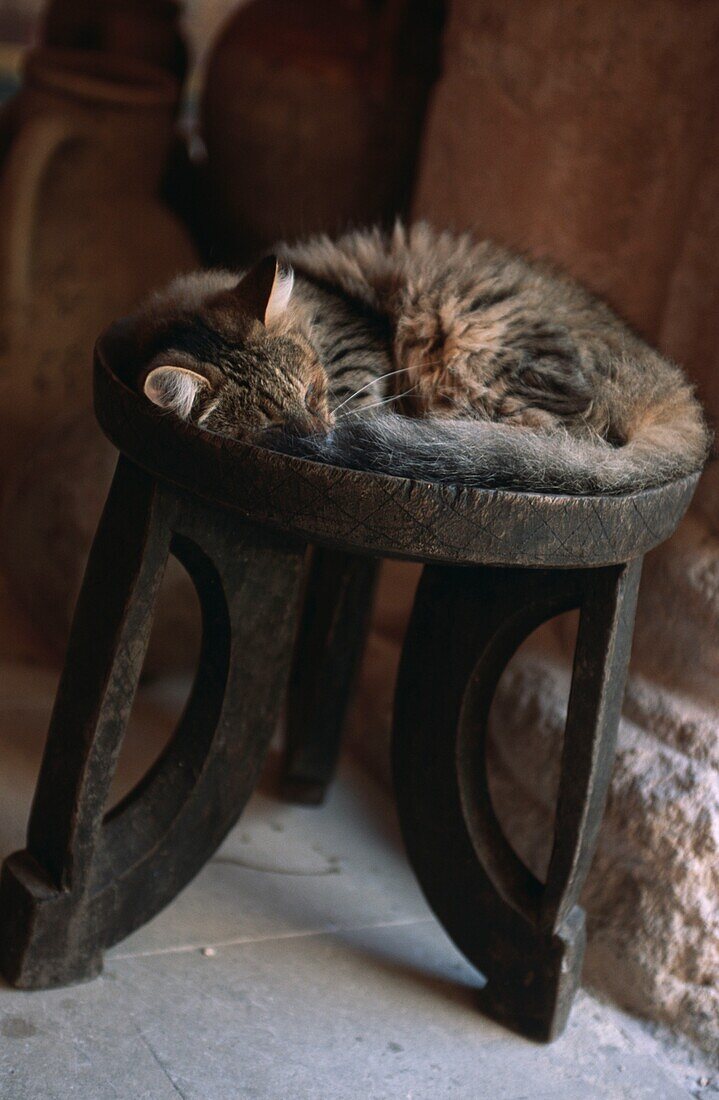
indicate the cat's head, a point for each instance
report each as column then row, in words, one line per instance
column 231, row 354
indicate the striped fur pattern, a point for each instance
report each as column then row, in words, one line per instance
column 423, row 354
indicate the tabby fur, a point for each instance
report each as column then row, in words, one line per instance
column 427, row 355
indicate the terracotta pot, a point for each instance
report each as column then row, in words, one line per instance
column 312, row 114
column 83, row 234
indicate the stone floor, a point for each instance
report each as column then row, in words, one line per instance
column 301, row 964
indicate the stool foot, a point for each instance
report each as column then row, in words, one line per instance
column 41, row 946
column 330, row 644
column 525, row 936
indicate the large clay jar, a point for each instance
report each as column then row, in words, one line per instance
column 312, row 114
column 83, row 236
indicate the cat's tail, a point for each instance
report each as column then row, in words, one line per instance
column 489, row 455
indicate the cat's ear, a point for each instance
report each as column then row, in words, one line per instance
column 265, row 290
column 174, row 388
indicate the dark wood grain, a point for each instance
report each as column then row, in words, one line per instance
column 330, row 644
column 527, row 938
column 88, row 879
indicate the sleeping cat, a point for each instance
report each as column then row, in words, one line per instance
column 426, row 355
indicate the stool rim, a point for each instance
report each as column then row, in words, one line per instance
column 372, row 513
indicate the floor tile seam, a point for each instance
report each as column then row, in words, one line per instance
column 240, row 941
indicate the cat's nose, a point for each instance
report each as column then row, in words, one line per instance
column 307, row 424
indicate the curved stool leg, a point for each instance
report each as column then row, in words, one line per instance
column 88, row 878
column 330, row 644
column 525, row 936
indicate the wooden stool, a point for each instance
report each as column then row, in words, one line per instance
column 239, row 518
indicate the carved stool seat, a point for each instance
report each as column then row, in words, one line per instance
column 497, row 565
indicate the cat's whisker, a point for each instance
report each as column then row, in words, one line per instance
column 376, row 404
column 365, row 408
column 380, row 378
column 449, row 397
